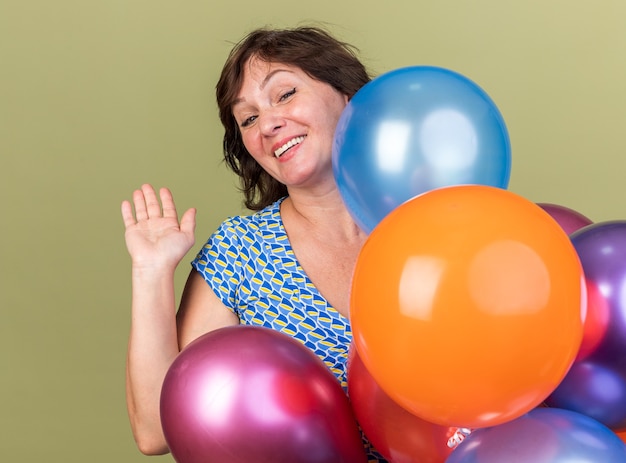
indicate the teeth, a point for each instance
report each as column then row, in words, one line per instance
column 294, row 141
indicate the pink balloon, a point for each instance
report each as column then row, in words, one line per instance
column 569, row 219
column 245, row 394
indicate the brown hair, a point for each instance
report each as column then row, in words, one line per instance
column 313, row 50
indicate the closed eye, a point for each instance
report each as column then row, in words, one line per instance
column 246, row 122
column 287, row 95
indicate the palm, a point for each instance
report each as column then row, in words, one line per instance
column 154, row 236
column 160, row 236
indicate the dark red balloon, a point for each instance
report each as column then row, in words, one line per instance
column 246, row 394
column 569, row 219
column 398, row 435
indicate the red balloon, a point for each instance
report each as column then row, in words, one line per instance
column 245, row 394
column 569, row 219
column 398, row 435
column 597, row 317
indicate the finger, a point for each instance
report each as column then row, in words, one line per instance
column 188, row 222
column 139, row 201
column 153, row 207
column 127, row 214
column 167, row 200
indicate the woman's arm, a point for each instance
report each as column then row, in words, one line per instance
column 152, row 348
column 157, row 242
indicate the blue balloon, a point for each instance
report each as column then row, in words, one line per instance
column 544, row 435
column 412, row 130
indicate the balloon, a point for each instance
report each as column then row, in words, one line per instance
column 246, row 393
column 398, row 435
column 602, row 251
column 466, row 305
column 596, row 384
column 544, row 435
column 596, row 321
column 412, row 130
column 569, row 219
column 595, row 390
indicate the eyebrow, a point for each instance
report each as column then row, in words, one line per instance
column 264, row 82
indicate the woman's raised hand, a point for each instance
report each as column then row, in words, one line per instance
column 154, row 236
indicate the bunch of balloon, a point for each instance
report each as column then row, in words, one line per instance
column 412, row 130
column 543, row 435
column 456, row 298
column 245, row 394
column 596, row 384
column 397, row 435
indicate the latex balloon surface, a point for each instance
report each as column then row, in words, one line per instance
column 398, row 435
column 412, row 130
column 595, row 390
column 569, row 219
column 596, row 384
column 456, row 299
column 544, row 435
column 249, row 394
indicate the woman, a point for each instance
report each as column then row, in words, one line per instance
column 280, row 96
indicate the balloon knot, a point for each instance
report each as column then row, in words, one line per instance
column 459, row 436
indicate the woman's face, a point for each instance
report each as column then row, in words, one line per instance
column 287, row 120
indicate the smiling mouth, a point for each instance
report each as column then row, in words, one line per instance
column 293, row 142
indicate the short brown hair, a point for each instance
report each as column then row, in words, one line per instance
column 313, row 50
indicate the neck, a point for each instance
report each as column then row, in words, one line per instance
column 324, row 211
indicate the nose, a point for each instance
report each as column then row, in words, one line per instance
column 271, row 121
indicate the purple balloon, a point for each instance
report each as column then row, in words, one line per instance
column 544, row 435
column 596, row 383
column 593, row 390
column 245, row 394
column 569, row 219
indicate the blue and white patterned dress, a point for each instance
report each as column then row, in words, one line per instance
column 249, row 264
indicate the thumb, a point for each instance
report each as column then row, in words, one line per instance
column 188, row 221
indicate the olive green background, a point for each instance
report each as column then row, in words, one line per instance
column 97, row 97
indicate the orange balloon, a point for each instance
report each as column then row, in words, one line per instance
column 466, row 305
column 397, row 435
